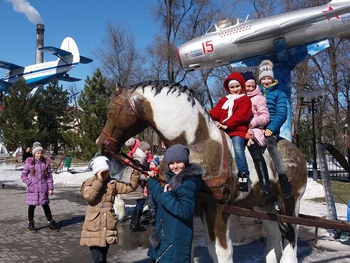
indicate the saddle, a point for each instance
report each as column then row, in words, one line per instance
column 218, row 185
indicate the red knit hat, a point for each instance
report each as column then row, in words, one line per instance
column 235, row 76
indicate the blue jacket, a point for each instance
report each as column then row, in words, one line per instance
column 277, row 105
column 172, row 240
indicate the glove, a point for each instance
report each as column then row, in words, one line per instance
column 250, row 142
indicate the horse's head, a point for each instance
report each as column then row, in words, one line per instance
column 123, row 120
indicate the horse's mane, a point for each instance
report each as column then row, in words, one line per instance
column 173, row 87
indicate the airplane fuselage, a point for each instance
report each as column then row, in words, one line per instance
column 231, row 44
column 41, row 73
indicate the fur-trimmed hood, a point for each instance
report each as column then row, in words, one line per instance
column 193, row 172
column 172, row 240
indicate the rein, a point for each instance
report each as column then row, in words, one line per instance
column 133, row 164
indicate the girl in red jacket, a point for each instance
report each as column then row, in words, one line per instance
column 232, row 113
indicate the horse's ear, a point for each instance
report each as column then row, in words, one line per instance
column 118, row 89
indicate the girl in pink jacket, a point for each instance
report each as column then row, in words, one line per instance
column 261, row 116
column 256, row 138
column 37, row 175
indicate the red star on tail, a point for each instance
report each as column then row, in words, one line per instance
column 330, row 9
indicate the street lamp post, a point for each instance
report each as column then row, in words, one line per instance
column 314, row 97
column 314, row 164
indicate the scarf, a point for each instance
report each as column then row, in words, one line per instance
column 228, row 105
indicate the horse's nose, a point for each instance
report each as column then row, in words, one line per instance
column 101, row 141
column 98, row 141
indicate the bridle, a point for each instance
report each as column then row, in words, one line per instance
column 132, row 163
column 108, row 135
column 119, row 105
column 108, row 139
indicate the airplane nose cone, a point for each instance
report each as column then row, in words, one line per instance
column 187, row 59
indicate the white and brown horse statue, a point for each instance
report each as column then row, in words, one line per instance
column 173, row 112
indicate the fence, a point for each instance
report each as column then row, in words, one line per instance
column 336, row 164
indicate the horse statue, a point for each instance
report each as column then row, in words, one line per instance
column 177, row 117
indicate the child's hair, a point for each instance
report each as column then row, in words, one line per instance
column 32, row 169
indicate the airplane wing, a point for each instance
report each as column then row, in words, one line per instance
column 55, row 51
column 85, row 60
column 291, row 25
column 67, row 78
column 4, row 85
column 8, row 65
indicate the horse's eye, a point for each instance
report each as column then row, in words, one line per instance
column 108, row 112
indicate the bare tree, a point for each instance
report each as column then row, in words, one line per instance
column 180, row 21
column 120, row 60
column 327, row 70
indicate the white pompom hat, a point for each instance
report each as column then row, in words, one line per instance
column 266, row 69
column 36, row 148
column 100, row 163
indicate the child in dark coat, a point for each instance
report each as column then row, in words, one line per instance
column 176, row 201
column 153, row 166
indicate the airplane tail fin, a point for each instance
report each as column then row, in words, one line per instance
column 68, row 44
column 67, row 54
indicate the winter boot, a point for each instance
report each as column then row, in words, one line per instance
column 53, row 227
column 261, row 168
column 135, row 221
column 286, row 187
column 242, row 182
column 31, row 227
column 152, row 217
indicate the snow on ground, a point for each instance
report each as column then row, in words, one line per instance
column 9, row 175
column 314, row 190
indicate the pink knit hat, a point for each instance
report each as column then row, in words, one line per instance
column 130, row 142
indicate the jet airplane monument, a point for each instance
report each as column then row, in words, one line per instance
column 43, row 73
column 286, row 39
column 240, row 43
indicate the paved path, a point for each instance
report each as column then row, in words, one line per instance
column 68, row 209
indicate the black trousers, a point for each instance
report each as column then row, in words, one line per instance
column 99, row 254
column 47, row 212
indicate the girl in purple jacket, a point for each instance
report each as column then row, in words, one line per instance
column 256, row 138
column 37, row 175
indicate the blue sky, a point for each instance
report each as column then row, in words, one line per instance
column 84, row 21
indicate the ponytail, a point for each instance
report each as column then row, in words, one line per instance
column 32, row 169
